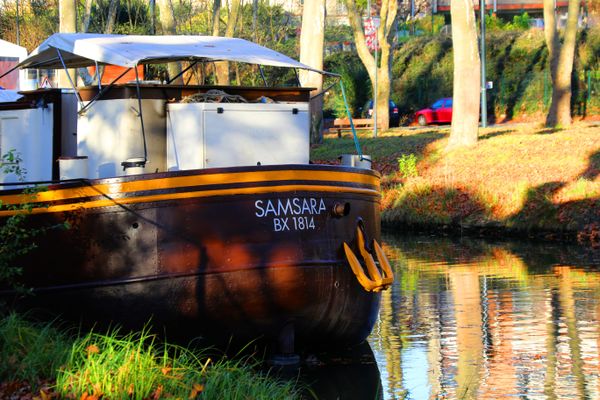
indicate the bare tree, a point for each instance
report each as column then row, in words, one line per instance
column 167, row 24
column 222, row 67
column 467, row 85
column 561, row 61
column 387, row 28
column 311, row 54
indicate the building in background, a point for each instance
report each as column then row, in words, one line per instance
column 10, row 55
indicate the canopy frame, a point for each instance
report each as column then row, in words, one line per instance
column 75, row 50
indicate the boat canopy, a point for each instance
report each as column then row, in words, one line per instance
column 74, row 50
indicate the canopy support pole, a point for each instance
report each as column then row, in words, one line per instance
column 355, row 136
column 183, row 72
column 262, row 75
column 97, row 76
column 297, row 77
column 139, row 96
column 102, row 90
column 62, row 61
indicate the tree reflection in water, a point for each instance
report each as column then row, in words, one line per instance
column 470, row 319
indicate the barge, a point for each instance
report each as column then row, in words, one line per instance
column 204, row 217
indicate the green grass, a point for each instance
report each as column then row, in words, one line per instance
column 385, row 145
column 30, row 351
column 131, row 366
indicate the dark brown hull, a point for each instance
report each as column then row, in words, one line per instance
column 237, row 251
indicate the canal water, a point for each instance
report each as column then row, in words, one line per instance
column 474, row 319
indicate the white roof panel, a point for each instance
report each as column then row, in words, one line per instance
column 85, row 49
column 8, row 49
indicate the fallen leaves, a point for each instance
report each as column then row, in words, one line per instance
column 196, row 390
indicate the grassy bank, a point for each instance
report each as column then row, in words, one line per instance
column 44, row 361
column 519, row 178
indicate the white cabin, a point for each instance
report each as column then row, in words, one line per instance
column 114, row 130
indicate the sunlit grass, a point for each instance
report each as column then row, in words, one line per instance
column 580, row 189
column 131, row 366
column 521, row 176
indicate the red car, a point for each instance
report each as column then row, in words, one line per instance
column 439, row 112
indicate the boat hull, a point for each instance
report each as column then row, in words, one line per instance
column 244, row 252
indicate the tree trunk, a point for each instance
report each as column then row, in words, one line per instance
column 216, row 17
column 255, row 20
column 467, row 73
column 112, row 16
column 83, row 73
column 388, row 13
column 222, row 67
column 311, row 53
column 67, row 24
column 152, row 9
column 87, row 13
column 167, row 24
column 561, row 62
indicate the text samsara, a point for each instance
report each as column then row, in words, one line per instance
column 292, row 214
column 291, row 207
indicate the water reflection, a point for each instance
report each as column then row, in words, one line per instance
column 470, row 319
column 348, row 375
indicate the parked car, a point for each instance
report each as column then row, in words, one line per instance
column 439, row 112
column 394, row 114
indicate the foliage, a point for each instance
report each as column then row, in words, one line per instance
column 407, row 165
column 430, row 26
column 276, row 29
column 422, row 73
column 338, row 33
column 519, row 22
column 492, row 23
column 355, row 80
column 516, row 64
column 133, row 17
column 192, row 18
column 38, row 19
column 16, row 239
column 589, row 49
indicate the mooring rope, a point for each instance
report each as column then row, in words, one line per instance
column 214, row 96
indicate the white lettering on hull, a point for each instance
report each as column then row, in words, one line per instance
column 290, row 214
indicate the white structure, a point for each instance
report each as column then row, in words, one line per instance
column 205, row 135
column 29, row 132
column 10, row 55
column 138, row 127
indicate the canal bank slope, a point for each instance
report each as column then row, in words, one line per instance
column 518, row 179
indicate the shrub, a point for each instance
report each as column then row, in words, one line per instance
column 356, row 84
column 16, row 238
column 407, row 165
